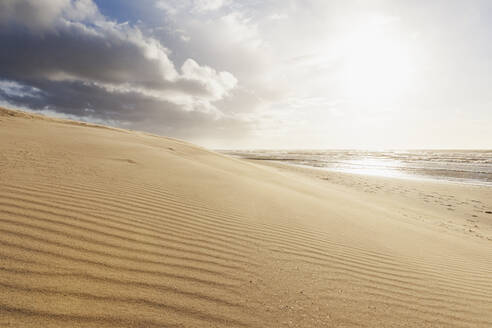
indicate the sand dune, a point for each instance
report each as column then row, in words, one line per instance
column 102, row 227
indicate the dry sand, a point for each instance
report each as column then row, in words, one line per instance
column 103, row 227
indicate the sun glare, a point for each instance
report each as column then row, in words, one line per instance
column 378, row 68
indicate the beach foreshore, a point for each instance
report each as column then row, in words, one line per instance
column 104, row 227
column 452, row 207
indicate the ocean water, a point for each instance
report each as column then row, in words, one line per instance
column 462, row 166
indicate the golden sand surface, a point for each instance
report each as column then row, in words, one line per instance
column 104, row 227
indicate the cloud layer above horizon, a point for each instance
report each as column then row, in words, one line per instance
column 233, row 74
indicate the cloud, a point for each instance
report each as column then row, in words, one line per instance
column 278, row 16
column 193, row 68
column 36, row 14
column 102, row 52
column 207, row 5
column 174, row 7
column 134, row 110
column 171, row 7
column 14, row 89
column 65, row 56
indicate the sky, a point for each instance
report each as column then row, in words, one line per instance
column 230, row 74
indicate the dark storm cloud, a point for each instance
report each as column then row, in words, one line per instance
column 82, row 64
column 130, row 110
column 73, row 52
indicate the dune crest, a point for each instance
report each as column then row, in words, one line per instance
column 100, row 228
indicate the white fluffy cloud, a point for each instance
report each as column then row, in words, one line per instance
column 72, row 41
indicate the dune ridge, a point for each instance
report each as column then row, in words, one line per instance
column 100, row 228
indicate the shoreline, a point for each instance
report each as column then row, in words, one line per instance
column 404, row 176
column 411, row 172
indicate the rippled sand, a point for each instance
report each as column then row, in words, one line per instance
column 103, row 227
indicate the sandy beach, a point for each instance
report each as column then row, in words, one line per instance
column 104, row 227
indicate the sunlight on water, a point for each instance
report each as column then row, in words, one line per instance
column 371, row 166
column 463, row 166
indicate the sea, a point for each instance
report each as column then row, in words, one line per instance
column 457, row 166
